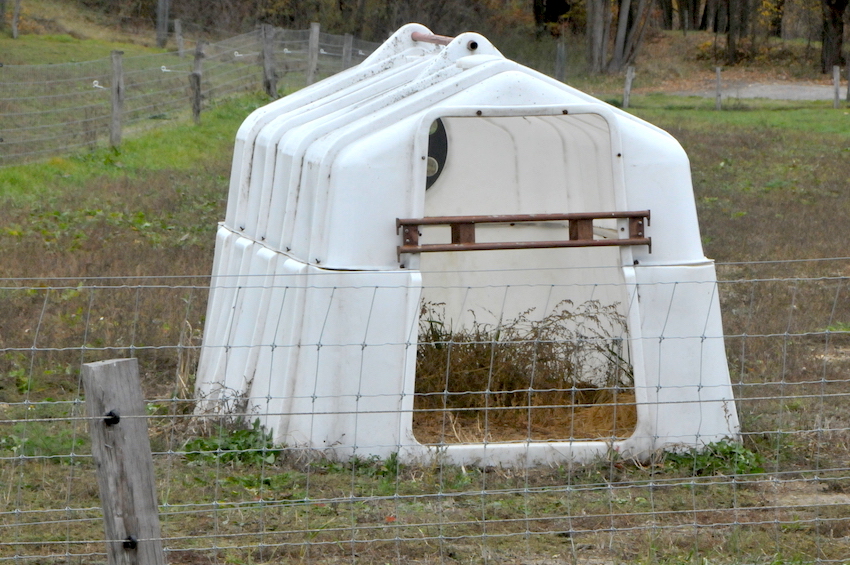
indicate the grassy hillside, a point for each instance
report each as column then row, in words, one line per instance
column 53, row 31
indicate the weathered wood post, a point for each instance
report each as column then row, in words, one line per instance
column 16, row 17
column 122, row 454
column 561, row 60
column 269, row 74
column 117, row 99
column 627, row 90
column 836, row 83
column 347, row 50
column 161, row 23
column 848, row 83
column 718, row 96
column 313, row 53
column 195, row 82
column 178, row 38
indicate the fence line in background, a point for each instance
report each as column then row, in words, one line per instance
column 227, row 493
column 53, row 109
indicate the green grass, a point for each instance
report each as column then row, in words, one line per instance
column 175, row 146
column 698, row 113
column 63, row 48
column 769, row 176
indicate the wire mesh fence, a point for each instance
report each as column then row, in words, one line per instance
column 229, row 492
column 53, row 109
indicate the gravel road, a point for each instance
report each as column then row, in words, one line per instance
column 776, row 91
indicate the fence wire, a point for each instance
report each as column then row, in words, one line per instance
column 229, row 493
column 53, row 109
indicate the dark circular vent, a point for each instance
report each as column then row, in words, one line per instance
column 438, row 148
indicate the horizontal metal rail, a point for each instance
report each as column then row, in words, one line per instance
column 463, row 231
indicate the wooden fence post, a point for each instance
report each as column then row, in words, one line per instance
column 627, row 90
column 178, row 38
column 269, row 75
column 313, row 53
column 561, row 61
column 347, row 50
column 195, row 82
column 117, row 99
column 16, row 16
column 195, row 85
column 122, row 454
column 836, row 83
column 718, row 97
column 161, row 23
column 848, row 83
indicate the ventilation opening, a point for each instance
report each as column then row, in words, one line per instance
column 530, row 344
column 562, row 376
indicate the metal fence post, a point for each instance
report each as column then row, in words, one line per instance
column 122, row 453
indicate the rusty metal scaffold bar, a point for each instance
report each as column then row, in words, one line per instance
column 580, row 231
column 431, row 38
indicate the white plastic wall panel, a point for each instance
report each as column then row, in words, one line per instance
column 687, row 377
column 658, row 178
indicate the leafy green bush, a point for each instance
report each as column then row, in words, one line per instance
column 718, row 458
column 241, row 446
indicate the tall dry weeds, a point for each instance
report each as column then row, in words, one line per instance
column 532, row 378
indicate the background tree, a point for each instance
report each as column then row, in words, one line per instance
column 628, row 26
column 832, row 36
column 550, row 11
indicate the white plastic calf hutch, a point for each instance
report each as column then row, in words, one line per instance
column 320, row 268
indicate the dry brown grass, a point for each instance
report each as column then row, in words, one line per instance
column 565, row 376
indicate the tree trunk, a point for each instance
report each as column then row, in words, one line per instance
column 666, row 7
column 539, row 9
column 733, row 35
column 620, row 39
column 696, row 14
column 631, row 22
column 832, row 34
column 709, row 16
column 549, row 11
column 635, row 33
column 689, row 13
column 597, row 36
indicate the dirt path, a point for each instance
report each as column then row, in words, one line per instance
column 775, row 91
